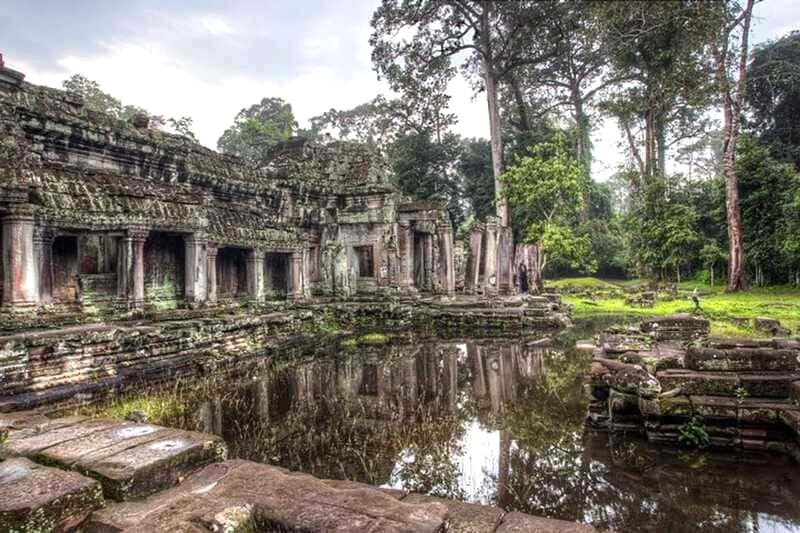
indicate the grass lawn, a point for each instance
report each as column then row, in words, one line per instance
column 718, row 306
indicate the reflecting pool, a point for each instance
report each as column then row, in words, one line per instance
column 481, row 420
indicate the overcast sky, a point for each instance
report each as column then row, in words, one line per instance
column 209, row 59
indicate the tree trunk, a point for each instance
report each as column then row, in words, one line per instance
column 495, row 136
column 522, row 108
column 535, row 263
column 583, row 152
column 731, row 108
column 661, row 145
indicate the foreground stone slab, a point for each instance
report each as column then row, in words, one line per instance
column 463, row 517
column 241, row 494
column 519, row 522
column 40, row 498
column 130, row 460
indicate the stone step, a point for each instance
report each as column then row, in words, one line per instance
column 40, row 498
column 721, row 408
column 743, row 359
column 754, row 384
column 779, row 343
column 238, row 494
column 130, row 460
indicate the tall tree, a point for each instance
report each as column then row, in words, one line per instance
column 545, row 189
column 657, row 49
column 573, row 76
column 425, row 169
column 95, row 99
column 475, row 168
column 258, row 128
column 729, row 44
column 488, row 39
column 773, row 96
column 381, row 121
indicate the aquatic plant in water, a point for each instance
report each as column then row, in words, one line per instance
column 693, row 433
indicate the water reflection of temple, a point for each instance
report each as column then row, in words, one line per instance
column 492, row 421
column 378, row 399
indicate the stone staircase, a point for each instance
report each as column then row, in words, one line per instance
column 99, row 475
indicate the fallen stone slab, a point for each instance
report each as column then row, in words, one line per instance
column 520, row 522
column 691, row 382
column 39, row 498
column 241, row 494
column 676, row 327
column 737, row 359
column 130, row 460
column 463, row 517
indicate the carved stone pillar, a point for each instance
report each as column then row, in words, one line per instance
column 130, row 264
column 447, row 262
column 474, row 260
column 296, row 269
column 43, row 249
column 505, row 257
column 428, row 263
column 255, row 275
column 490, row 265
column 211, row 272
column 405, row 237
column 20, row 268
column 196, row 272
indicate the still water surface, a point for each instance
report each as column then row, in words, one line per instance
column 491, row 421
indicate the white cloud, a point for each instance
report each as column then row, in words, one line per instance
column 214, row 25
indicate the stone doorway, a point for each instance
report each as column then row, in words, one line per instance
column 231, row 273
column 65, row 269
column 423, row 261
column 164, row 269
column 277, row 279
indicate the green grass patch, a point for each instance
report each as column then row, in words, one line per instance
column 373, row 339
column 368, row 339
column 731, row 314
column 580, row 283
column 159, row 408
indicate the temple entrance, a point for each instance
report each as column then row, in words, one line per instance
column 365, row 261
column 97, row 278
column 65, row 269
column 164, row 269
column 423, row 261
column 276, row 276
column 231, row 273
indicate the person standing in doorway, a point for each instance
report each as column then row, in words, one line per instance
column 523, row 278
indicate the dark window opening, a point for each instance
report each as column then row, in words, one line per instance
column 231, row 272
column 65, row 269
column 366, row 265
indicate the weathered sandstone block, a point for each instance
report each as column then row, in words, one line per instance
column 36, row 498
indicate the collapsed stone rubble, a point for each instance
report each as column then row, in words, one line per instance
column 667, row 373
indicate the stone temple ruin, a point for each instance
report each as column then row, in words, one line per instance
column 105, row 221
column 97, row 212
column 131, row 256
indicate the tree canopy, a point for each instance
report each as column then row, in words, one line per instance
column 258, row 128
